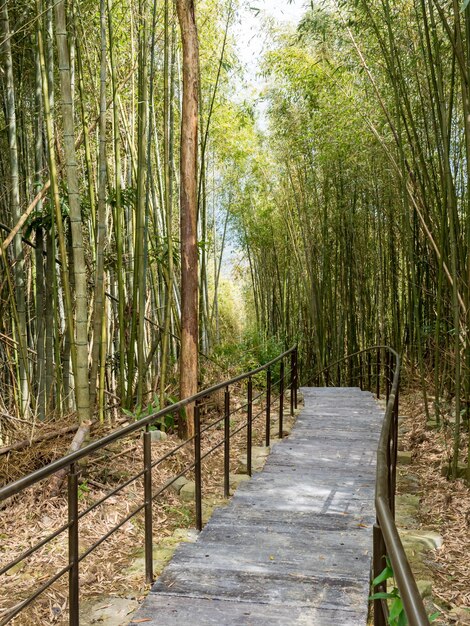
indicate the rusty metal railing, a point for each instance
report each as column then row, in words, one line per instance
column 288, row 378
column 378, row 369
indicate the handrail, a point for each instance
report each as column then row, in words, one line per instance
column 28, row 480
column 348, row 357
column 386, row 537
column 288, row 377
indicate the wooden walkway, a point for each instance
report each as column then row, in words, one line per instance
column 294, row 545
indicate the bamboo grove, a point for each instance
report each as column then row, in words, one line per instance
column 350, row 199
column 93, row 101
column 356, row 218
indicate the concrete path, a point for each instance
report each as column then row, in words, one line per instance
column 294, row 545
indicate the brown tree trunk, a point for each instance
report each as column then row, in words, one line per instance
column 188, row 202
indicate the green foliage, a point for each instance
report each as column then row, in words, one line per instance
column 263, row 349
column 83, row 489
column 183, row 514
column 162, row 423
column 128, row 197
column 254, row 350
column 397, row 615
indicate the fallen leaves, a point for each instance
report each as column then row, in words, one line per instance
column 31, row 518
column 445, row 505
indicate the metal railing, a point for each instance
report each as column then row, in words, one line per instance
column 378, row 369
column 288, row 378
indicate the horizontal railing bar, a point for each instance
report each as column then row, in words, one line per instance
column 382, row 478
column 171, row 480
column 37, row 593
column 259, row 395
column 94, row 506
column 110, row 532
column 262, row 412
column 68, row 460
column 171, row 452
column 217, row 445
column 33, row 549
column 350, row 356
column 275, row 383
column 240, row 428
column 212, row 424
column 238, row 409
column 30, row 479
column 110, row 494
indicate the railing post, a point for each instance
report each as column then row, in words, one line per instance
column 327, row 378
column 378, row 374
column 292, row 382
column 226, row 442
column 296, row 369
column 249, row 426
column 387, row 369
column 268, row 407
column 389, row 464
column 339, row 374
column 281, row 400
column 197, row 467
column 378, row 566
column 361, row 381
column 148, row 506
column 74, row 591
column 369, row 371
column 395, row 447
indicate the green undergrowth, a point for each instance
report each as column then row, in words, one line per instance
column 248, row 354
column 397, row 615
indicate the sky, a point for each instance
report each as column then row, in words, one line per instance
column 251, row 43
column 252, row 40
column 249, row 35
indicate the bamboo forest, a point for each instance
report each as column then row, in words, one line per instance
column 264, row 200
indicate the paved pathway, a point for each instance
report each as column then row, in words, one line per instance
column 294, row 544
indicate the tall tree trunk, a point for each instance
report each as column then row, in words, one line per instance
column 101, row 218
column 138, row 283
column 118, row 234
column 168, row 203
column 18, row 263
column 40, row 317
column 79, row 269
column 188, row 201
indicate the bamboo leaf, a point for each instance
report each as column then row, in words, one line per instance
column 382, row 595
column 396, row 609
column 385, row 575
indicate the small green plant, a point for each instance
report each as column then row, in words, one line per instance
column 183, row 513
column 162, row 423
column 83, row 489
column 397, row 615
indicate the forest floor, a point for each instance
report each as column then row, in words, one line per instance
column 110, row 570
column 444, row 506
